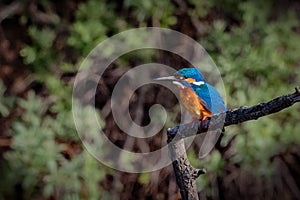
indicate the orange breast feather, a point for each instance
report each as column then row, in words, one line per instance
column 192, row 103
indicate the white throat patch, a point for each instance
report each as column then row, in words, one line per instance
column 198, row 83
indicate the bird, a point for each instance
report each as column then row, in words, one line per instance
column 198, row 97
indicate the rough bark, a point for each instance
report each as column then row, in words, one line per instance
column 184, row 172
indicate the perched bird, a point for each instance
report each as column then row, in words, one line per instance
column 199, row 98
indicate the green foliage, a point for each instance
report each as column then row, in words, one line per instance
column 40, row 54
column 94, row 20
column 40, row 139
column 160, row 12
column 6, row 103
column 37, row 160
column 144, row 178
column 201, row 8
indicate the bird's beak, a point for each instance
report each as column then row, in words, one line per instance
column 174, row 80
column 167, row 78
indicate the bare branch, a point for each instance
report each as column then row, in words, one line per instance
column 236, row 116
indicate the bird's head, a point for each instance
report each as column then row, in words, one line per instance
column 185, row 77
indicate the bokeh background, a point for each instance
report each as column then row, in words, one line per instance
column 255, row 44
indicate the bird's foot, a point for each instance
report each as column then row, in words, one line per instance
column 202, row 120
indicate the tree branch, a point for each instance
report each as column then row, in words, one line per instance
column 235, row 116
column 187, row 174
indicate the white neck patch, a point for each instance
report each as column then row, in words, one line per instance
column 198, row 83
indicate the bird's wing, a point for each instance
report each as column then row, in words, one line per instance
column 204, row 95
column 205, row 103
column 210, row 98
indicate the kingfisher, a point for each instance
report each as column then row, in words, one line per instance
column 198, row 97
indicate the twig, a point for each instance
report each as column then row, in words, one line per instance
column 14, row 8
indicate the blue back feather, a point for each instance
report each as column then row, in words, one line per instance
column 211, row 98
